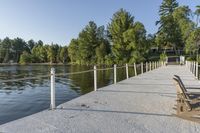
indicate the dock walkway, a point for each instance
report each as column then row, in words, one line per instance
column 141, row 104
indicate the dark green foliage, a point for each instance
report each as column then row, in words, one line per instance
column 169, row 33
column 193, row 42
column 197, row 13
column 128, row 38
column 91, row 46
column 25, row 58
column 18, row 51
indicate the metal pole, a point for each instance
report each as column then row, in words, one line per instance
column 135, row 69
column 95, row 78
column 52, row 105
column 127, row 71
column 141, row 67
column 115, row 74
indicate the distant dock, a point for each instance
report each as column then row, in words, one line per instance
column 141, row 104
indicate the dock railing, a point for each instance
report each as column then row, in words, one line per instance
column 148, row 67
column 193, row 67
column 144, row 67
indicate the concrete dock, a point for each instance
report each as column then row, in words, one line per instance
column 141, row 104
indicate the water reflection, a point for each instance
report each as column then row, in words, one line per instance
column 22, row 98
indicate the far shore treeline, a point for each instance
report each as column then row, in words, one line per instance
column 123, row 40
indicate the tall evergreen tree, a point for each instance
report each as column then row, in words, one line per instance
column 197, row 12
column 169, row 33
column 182, row 15
column 121, row 22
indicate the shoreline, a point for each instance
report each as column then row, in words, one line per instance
column 32, row 64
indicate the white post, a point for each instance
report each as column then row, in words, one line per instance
column 127, row 71
column 150, row 66
column 142, row 68
column 193, row 68
column 186, row 64
column 95, row 78
column 115, row 74
column 135, row 69
column 146, row 66
column 157, row 64
column 197, row 70
column 52, row 105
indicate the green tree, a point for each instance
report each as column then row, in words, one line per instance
column 74, row 54
column 182, row 16
column 63, row 54
column 193, row 41
column 86, row 48
column 197, row 12
column 121, row 22
column 135, row 37
column 52, row 53
column 31, row 44
column 25, row 57
column 6, row 45
column 101, row 52
column 169, row 33
column 87, row 43
column 18, row 46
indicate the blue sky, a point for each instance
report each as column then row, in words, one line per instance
column 59, row 21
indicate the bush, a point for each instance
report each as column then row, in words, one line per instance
column 163, row 57
column 25, row 58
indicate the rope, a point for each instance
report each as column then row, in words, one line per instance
column 102, row 69
column 137, row 65
column 64, row 74
column 131, row 65
column 21, row 79
column 121, row 67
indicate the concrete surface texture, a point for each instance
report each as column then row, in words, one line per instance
column 141, row 104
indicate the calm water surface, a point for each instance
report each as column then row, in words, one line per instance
column 22, row 98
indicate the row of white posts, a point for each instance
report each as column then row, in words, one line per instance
column 149, row 66
column 193, row 66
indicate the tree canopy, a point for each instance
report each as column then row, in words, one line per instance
column 123, row 40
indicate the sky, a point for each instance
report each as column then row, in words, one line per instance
column 58, row 21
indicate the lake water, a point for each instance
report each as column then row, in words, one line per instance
column 22, row 98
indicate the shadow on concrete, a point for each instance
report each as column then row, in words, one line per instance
column 144, row 84
column 114, row 111
column 145, row 92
